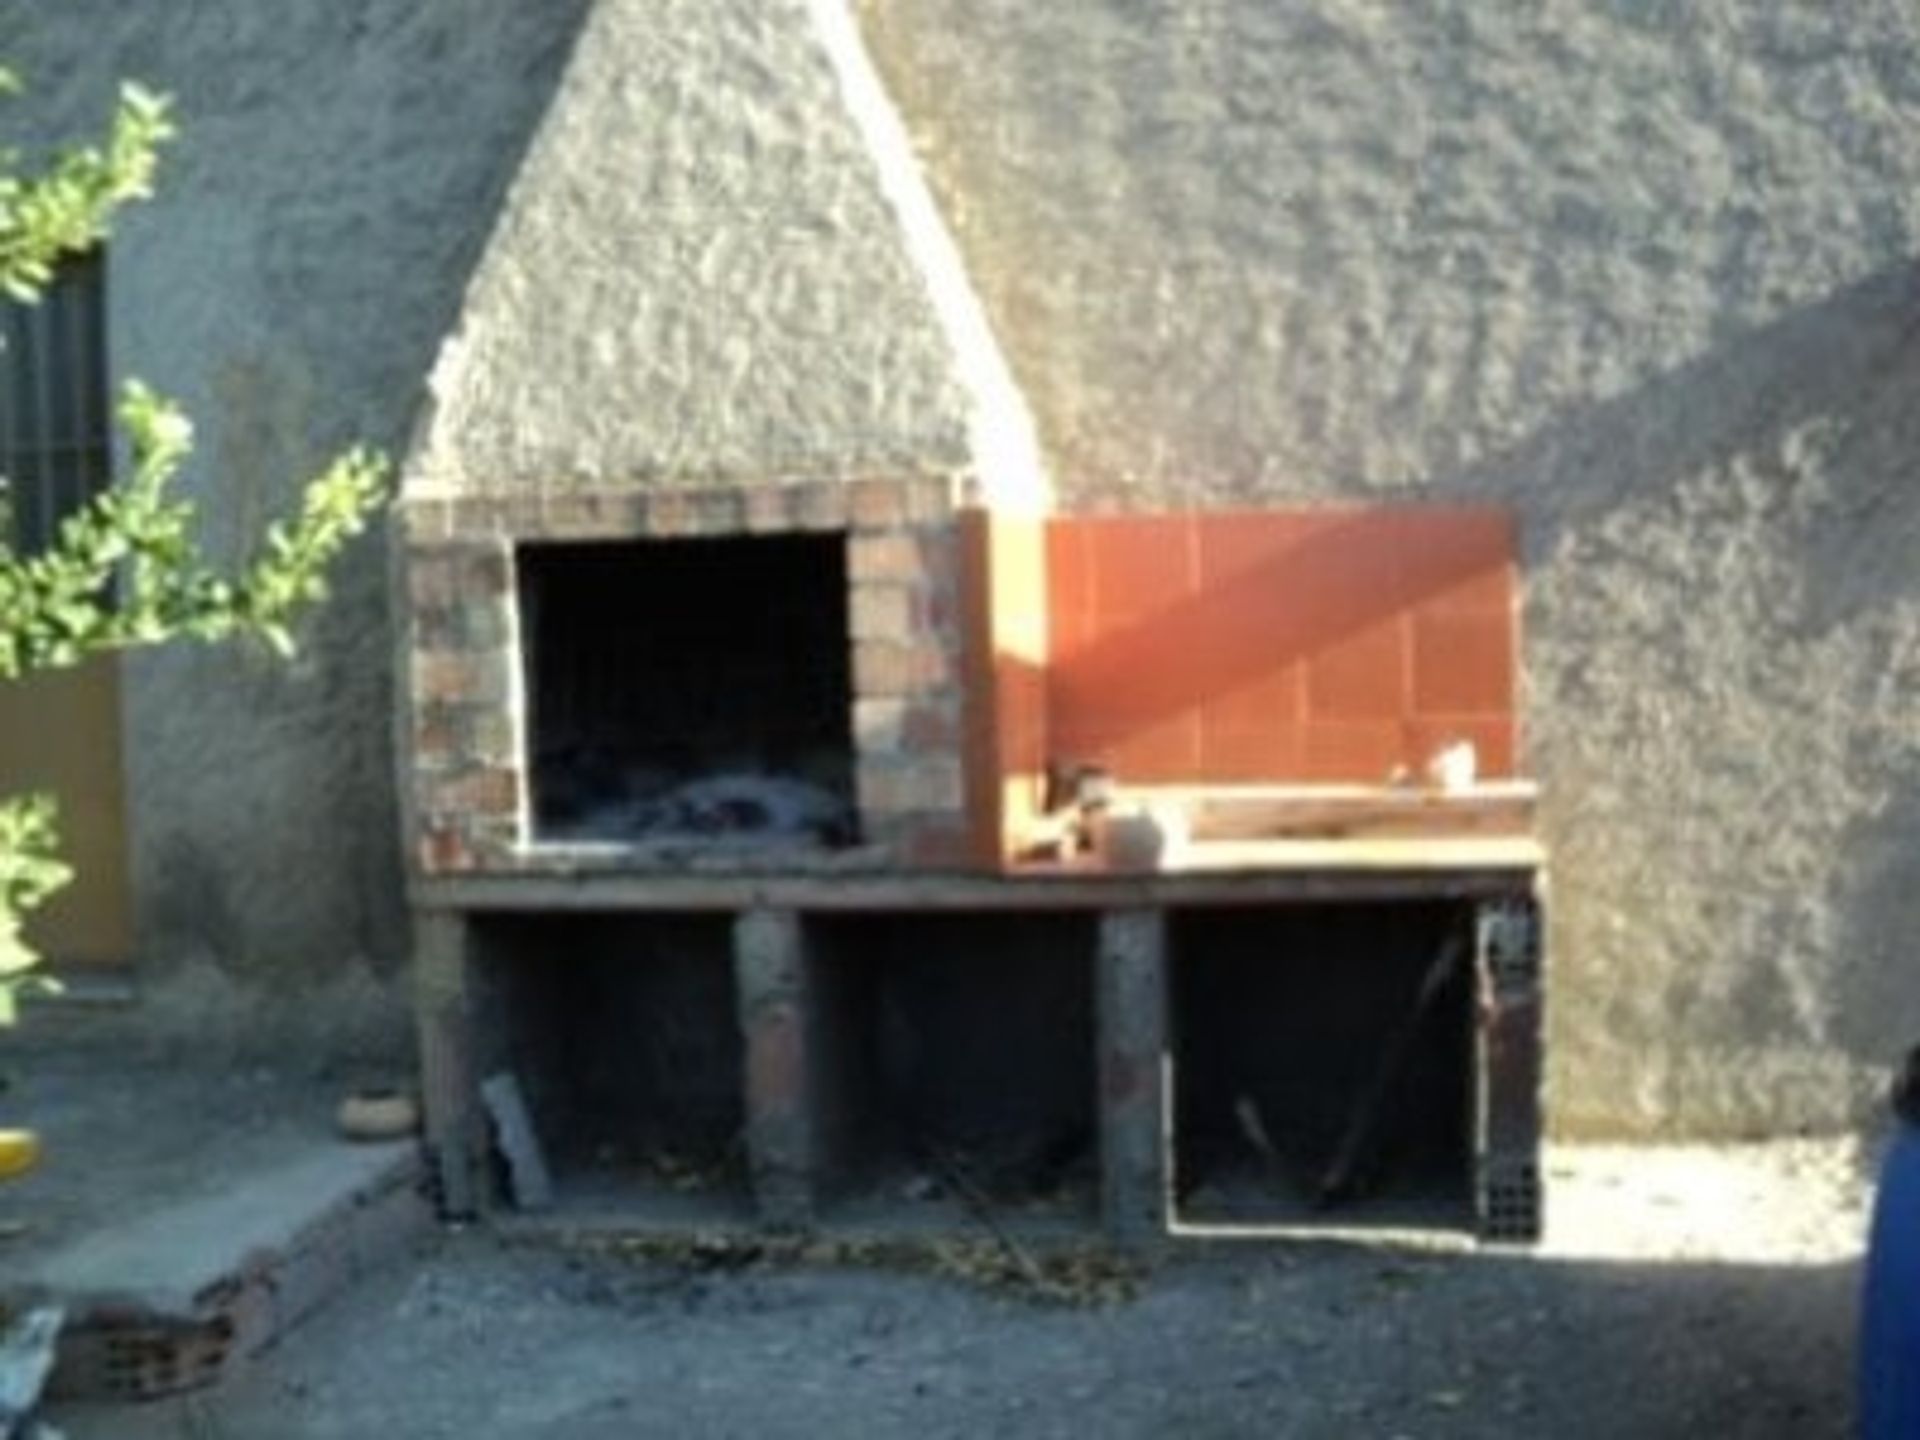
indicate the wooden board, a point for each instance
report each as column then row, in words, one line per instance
column 1223, row 813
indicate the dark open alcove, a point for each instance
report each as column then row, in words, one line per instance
column 1311, row 1083
column 689, row 691
column 956, row 1064
column 623, row 1032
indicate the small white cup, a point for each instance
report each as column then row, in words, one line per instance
column 1454, row 767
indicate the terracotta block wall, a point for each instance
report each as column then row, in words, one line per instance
column 1326, row 645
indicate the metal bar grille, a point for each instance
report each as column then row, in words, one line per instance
column 55, row 443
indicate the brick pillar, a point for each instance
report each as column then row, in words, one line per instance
column 770, row 969
column 1131, row 1002
column 448, row 1088
column 1508, row 974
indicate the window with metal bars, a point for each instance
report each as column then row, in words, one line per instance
column 56, row 449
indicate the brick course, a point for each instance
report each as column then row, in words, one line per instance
column 465, row 728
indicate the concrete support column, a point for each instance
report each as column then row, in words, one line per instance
column 770, row 969
column 1131, row 1003
column 448, row 1087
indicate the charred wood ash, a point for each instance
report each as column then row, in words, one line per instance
column 584, row 794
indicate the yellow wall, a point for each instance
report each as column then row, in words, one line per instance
column 61, row 732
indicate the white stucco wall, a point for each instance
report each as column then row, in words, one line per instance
column 1643, row 270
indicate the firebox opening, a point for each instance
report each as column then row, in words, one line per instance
column 957, row 1066
column 623, row 1033
column 1312, row 1084
column 689, row 691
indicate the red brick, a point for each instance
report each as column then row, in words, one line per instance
column 881, row 612
column 883, row 668
column 718, row 512
column 433, row 579
column 485, row 571
column 929, row 498
column 936, row 610
column 520, row 513
column 879, row 726
column 439, row 627
column 670, row 513
column 895, row 557
column 939, row 843
column 922, row 785
column 572, row 516
column 931, row 726
column 821, row 505
column 775, row 1060
column 439, row 735
column 492, row 737
column 477, row 517
column 877, row 504
column 768, row 507
column 455, row 677
column 427, row 521
column 443, row 848
column 634, row 513
column 481, row 792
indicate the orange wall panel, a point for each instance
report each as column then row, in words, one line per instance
column 1334, row 644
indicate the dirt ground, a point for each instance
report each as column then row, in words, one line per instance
column 1679, row 1293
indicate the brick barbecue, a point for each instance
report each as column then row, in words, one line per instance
column 751, row 831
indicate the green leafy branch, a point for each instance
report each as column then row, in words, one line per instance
column 30, row 871
column 60, row 606
column 67, row 208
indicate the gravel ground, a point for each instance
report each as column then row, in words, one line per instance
column 1680, row 1292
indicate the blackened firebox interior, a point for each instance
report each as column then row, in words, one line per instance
column 957, row 1054
column 623, row 1034
column 1323, row 1064
column 689, row 690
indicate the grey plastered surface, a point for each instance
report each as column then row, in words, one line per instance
column 1642, row 271
column 1131, row 998
column 778, row 997
column 338, row 169
column 695, row 275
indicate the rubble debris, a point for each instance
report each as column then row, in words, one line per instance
column 1074, row 1276
column 732, row 806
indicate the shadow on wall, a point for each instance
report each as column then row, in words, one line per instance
column 1847, row 363
column 1723, row 590
column 1877, row 893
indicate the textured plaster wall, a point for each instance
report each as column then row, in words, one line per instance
column 1642, row 270
column 696, row 276
column 339, row 167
